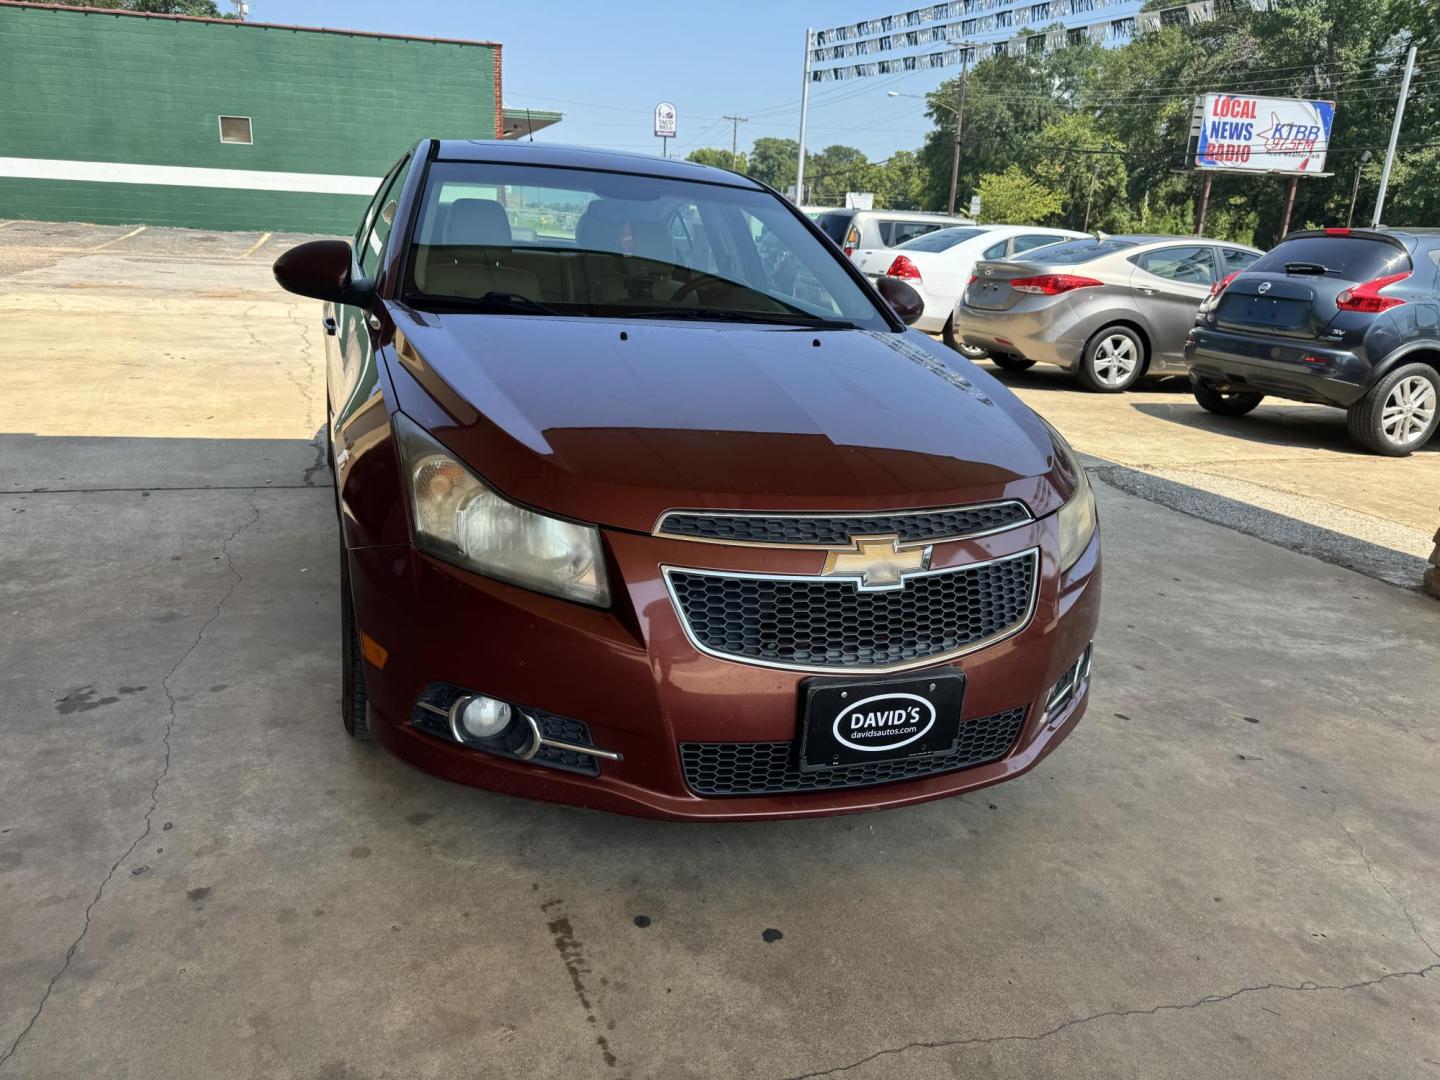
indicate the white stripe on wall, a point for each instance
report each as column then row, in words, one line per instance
column 119, row 172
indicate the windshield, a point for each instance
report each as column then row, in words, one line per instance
column 1078, row 251
column 535, row 240
column 941, row 240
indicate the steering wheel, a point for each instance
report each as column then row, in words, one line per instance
column 695, row 283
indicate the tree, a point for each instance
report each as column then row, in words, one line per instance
column 709, row 155
column 1013, row 198
column 203, row 8
column 774, row 161
column 834, row 171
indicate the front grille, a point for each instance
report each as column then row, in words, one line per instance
column 766, row 768
column 836, row 531
column 816, row 622
column 562, row 728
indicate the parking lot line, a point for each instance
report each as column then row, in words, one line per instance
column 111, row 243
column 257, row 245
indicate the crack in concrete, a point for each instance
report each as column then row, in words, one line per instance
column 154, row 788
column 1209, row 999
column 317, row 441
column 1370, row 869
column 191, row 487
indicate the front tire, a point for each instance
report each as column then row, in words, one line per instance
column 1224, row 402
column 1113, row 361
column 1399, row 414
column 1011, row 362
column 352, row 661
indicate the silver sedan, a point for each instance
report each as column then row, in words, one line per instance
column 1109, row 309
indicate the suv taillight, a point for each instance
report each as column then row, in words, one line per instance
column 902, row 267
column 852, row 241
column 1367, row 297
column 1219, row 286
column 1051, row 284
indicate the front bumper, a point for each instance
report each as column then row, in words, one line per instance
column 1288, row 368
column 642, row 689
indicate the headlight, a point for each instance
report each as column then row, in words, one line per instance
column 457, row 518
column 1076, row 518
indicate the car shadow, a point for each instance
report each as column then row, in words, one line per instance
column 1306, row 427
column 1048, row 377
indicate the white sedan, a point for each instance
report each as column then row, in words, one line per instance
column 938, row 264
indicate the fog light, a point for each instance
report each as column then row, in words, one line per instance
column 479, row 717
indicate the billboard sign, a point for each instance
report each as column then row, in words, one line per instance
column 1244, row 133
column 666, row 121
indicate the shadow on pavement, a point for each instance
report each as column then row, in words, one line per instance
column 1306, row 427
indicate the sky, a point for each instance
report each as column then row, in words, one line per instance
column 606, row 65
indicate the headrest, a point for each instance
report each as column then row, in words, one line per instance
column 599, row 226
column 652, row 240
column 477, row 223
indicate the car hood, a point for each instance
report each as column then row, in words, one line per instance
column 615, row 421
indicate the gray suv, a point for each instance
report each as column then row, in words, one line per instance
column 1110, row 309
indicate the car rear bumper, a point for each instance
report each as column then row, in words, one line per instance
column 1298, row 370
column 642, row 689
column 1053, row 335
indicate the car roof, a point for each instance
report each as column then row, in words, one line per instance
column 585, row 157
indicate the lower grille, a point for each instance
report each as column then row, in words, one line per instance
column 820, row 622
column 560, row 728
column 770, row 768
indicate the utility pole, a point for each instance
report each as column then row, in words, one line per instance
column 735, row 122
column 1355, row 191
column 1394, row 137
column 804, row 115
column 959, row 124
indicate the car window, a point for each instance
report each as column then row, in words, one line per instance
column 1237, row 260
column 383, row 220
column 537, row 240
column 1030, row 241
column 834, row 223
column 941, row 239
column 1351, row 258
column 995, row 251
column 1191, row 265
column 363, row 233
column 1072, row 252
column 895, row 233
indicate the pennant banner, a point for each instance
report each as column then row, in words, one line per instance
column 954, row 25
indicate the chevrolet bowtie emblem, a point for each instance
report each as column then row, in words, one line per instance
column 877, row 562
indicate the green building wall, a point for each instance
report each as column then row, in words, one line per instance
column 88, row 87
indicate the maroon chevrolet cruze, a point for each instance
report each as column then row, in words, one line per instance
column 650, row 502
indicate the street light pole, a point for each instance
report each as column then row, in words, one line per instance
column 1394, row 138
column 804, row 116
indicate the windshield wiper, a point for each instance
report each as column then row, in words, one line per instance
column 491, row 301
column 768, row 318
column 1309, row 268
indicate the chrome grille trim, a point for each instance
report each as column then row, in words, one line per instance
column 864, row 523
column 1033, row 554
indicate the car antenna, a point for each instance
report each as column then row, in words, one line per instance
column 529, row 124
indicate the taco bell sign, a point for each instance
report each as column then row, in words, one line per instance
column 1243, row 133
column 666, row 121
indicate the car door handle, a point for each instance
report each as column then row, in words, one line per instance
column 1147, row 290
column 330, row 325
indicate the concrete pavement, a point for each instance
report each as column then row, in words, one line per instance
column 1226, row 872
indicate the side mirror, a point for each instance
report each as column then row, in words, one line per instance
column 321, row 269
column 903, row 300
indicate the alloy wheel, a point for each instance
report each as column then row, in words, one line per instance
column 1116, row 359
column 1409, row 410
